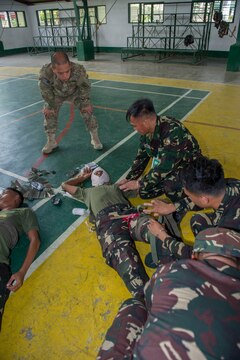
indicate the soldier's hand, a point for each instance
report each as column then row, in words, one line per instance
column 85, row 173
column 157, row 229
column 48, row 112
column 123, row 181
column 88, row 109
column 159, row 207
column 130, row 185
column 15, row 281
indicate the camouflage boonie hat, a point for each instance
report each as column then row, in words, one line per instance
column 218, row 240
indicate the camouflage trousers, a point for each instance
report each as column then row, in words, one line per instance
column 125, row 330
column 51, row 121
column 5, row 275
column 119, row 250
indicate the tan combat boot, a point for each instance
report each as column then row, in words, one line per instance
column 50, row 145
column 96, row 143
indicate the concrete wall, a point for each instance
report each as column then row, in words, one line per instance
column 112, row 34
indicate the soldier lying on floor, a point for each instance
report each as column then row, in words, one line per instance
column 112, row 212
column 14, row 221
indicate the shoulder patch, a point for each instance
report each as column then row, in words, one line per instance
column 45, row 81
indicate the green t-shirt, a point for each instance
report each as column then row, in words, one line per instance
column 14, row 223
column 100, row 197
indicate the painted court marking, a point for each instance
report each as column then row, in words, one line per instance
column 146, row 91
column 9, row 173
column 10, row 81
column 25, row 107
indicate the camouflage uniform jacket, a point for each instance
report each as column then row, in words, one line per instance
column 51, row 87
column 171, row 146
column 193, row 312
column 228, row 213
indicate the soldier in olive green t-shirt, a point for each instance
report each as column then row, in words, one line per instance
column 15, row 221
column 118, row 247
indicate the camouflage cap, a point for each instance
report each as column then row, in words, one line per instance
column 218, row 240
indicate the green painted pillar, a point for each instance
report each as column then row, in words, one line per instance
column 233, row 63
column 84, row 45
column 85, row 50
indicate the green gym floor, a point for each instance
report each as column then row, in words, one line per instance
column 70, row 296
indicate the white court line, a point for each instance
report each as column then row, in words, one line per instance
column 25, row 107
column 135, row 90
column 174, row 102
column 97, row 82
column 196, row 106
column 19, row 177
column 115, row 147
column 10, row 81
column 15, row 78
column 27, row 79
column 140, row 91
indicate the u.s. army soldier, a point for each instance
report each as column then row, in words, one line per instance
column 60, row 81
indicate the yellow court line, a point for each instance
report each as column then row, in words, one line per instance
column 12, row 70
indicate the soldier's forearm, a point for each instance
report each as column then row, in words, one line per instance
column 177, row 248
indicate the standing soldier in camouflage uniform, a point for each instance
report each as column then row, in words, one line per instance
column 61, row 81
column 205, row 186
column 168, row 143
column 192, row 307
column 111, row 210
